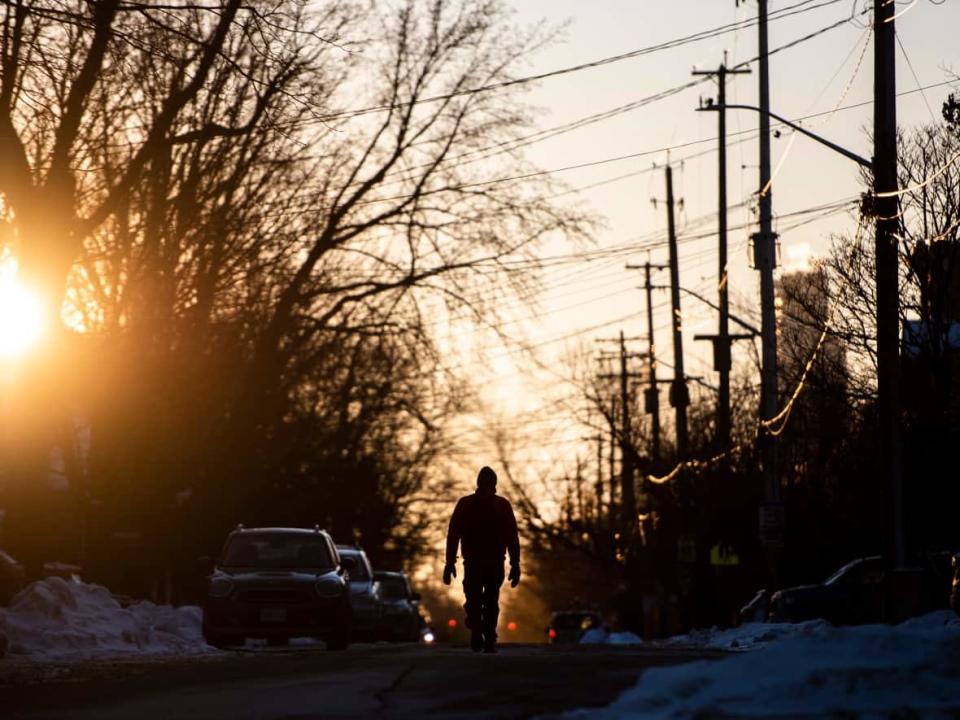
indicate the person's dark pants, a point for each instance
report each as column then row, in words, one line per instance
column 481, row 585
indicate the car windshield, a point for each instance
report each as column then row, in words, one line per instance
column 842, row 573
column 358, row 573
column 393, row 588
column 278, row 551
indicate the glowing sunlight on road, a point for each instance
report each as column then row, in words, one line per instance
column 21, row 315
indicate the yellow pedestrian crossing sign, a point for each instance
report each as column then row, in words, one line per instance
column 723, row 555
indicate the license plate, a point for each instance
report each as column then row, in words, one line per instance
column 273, row 615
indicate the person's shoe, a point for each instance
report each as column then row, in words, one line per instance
column 476, row 641
column 490, row 647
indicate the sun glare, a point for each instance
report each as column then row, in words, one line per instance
column 21, row 315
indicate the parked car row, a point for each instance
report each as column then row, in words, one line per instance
column 280, row 583
column 863, row 591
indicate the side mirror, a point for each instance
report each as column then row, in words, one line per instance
column 348, row 563
column 416, row 597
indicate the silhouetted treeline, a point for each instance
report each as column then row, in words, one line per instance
column 257, row 218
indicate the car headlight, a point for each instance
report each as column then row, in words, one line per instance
column 327, row 587
column 220, row 586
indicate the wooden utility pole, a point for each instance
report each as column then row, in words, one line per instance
column 628, row 503
column 722, row 340
column 765, row 260
column 885, row 189
column 679, row 397
column 598, row 488
column 651, row 397
column 613, row 460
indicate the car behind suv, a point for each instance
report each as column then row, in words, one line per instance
column 401, row 608
column 364, row 593
column 278, row 583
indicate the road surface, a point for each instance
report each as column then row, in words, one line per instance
column 384, row 681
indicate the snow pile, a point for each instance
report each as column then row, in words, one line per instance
column 908, row 670
column 748, row 636
column 56, row 618
column 599, row 636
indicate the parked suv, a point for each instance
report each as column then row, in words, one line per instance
column 364, row 593
column 278, row 583
column 851, row 596
column 401, row 608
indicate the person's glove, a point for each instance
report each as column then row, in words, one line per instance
column 449, row 571
column 514, row 575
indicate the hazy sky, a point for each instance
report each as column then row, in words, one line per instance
column 818, row 75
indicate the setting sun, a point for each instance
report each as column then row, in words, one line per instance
column 21, row 316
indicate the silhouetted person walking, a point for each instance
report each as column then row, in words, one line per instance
column 483, row 524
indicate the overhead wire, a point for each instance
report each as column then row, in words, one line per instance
column 782, row 417
column 916, row 79
column 789, row 11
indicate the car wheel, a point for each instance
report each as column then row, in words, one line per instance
column 339, row 639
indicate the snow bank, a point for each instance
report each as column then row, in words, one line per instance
column 748, row 636
column 599, row 636
column 59, row 619
column 909, row 670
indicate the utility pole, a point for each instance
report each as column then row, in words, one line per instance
column 765, row 260
column 651, row 399
column 628, row 501
column 887, row 222
column 627, row 496
column 679, row 397
column 722, row 340
column 613, row 460
column 598, row 487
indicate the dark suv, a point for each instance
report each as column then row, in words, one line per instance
column 278, row 583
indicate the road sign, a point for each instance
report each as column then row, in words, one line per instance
column 723, row 555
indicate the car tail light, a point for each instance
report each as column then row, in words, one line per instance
column 552, row 633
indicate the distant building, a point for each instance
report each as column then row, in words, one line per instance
column 931, row 342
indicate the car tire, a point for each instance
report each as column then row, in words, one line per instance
column 339, row 640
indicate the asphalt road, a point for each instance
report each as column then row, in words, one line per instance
column 384, row 681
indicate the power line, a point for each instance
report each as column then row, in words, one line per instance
column 788, row 11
